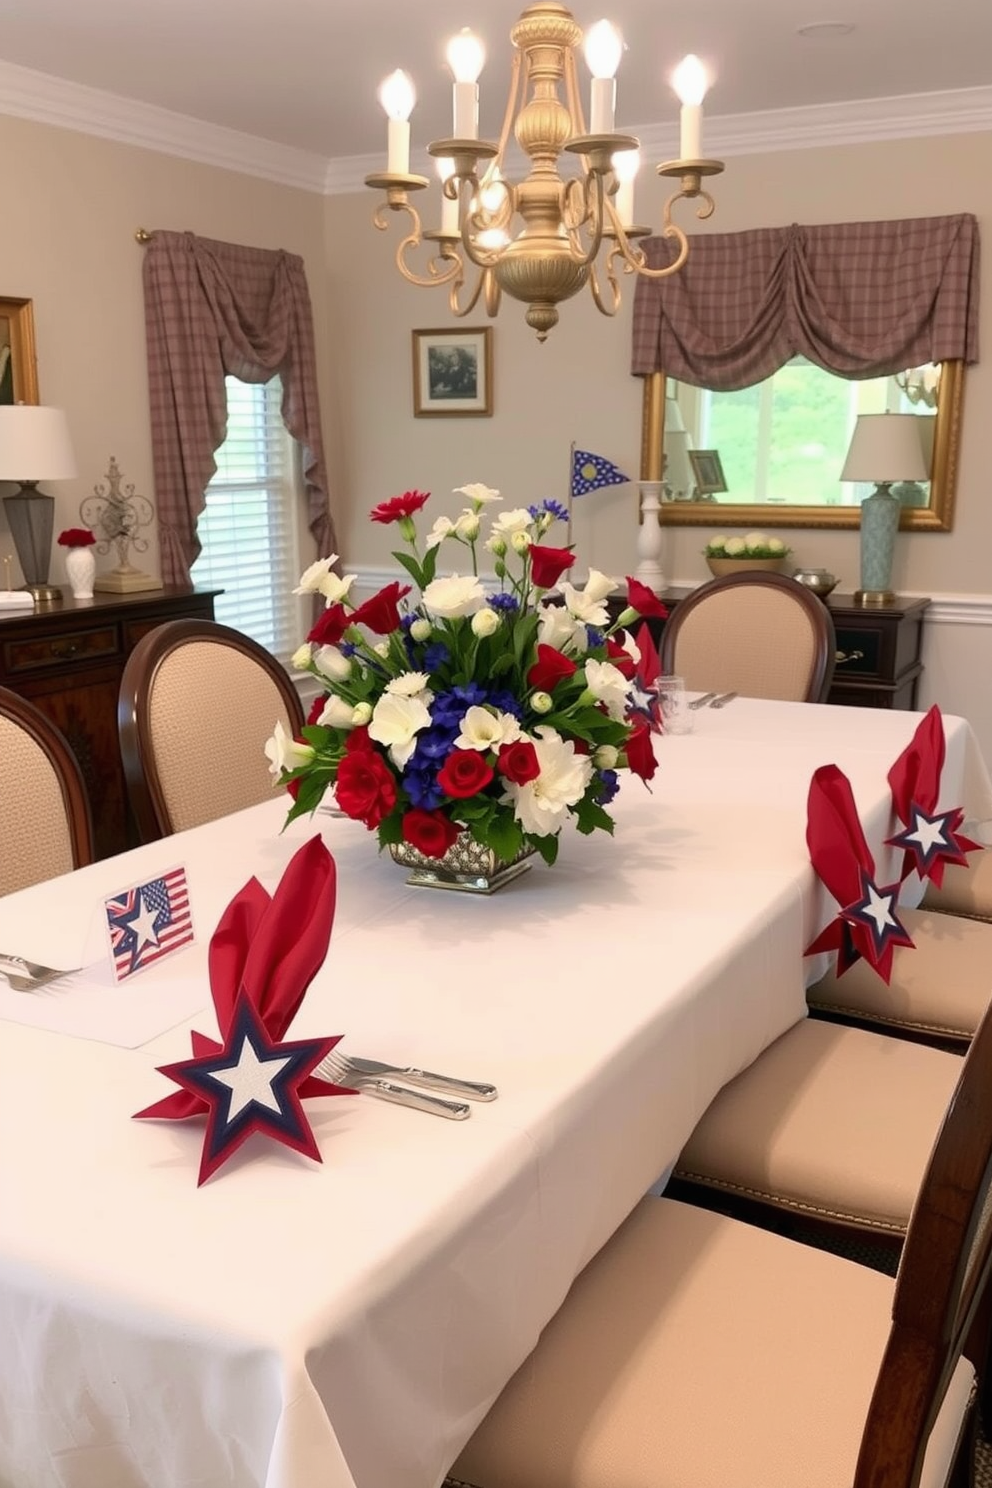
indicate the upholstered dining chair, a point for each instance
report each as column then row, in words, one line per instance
column 197, row 703
column 45, row 825
column 696, row 1351
column 965, row 891
column 755, row 633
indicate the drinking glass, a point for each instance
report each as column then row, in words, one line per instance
column 673, row 701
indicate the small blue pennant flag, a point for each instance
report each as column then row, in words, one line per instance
column 591, row 472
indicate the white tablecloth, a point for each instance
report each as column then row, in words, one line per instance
column 348, row 1324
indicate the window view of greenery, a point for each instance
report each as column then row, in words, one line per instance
column 784, row 441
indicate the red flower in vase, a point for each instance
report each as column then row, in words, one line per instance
column 76, row 537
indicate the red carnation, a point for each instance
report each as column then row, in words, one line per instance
column 381, row 612
column 464, row 773
column 621, row 659
column 76, row 537
column 430, row 832
column 548, row 564
column 644, row 600
column 317, row 707
column 518, row 762
column 399, row 507
column 331, row 626
column 358, row 741
column 365, row 788
column 640, row 753
column 550, row 668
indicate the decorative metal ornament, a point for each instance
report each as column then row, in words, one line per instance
column 117, row 514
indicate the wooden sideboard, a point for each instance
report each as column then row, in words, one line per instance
column 878, row 649
column 68, row 659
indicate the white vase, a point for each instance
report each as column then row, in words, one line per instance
column 80, row 570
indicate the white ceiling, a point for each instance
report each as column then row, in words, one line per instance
column 304, row 73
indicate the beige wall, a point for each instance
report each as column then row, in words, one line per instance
column 577, row 385
column 72, row 203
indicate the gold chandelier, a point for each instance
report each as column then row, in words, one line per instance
column 565, row 220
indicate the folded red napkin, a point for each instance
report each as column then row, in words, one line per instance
column 930, row 839
column 867, row 925
column 263, row 956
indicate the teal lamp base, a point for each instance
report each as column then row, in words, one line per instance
column 879, row 525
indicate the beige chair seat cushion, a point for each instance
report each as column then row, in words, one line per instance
column 965, row 890
column 829, row 1120
column 942, row 985
column 698, row 1352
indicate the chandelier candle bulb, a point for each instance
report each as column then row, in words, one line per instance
column 626, row 164
column 398, row 97
column 690, row 83
column 466, row 55
column 603, row 49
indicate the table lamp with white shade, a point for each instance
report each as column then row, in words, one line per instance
column 885, row 448
column 34, row 446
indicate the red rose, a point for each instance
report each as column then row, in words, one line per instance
column 76, row 537
column 430, row 832
column 399, row 506
column 330, row 627
column 640, row 753
column 317, row 707
column 549, row 669
column 518, row 762
column 464, row 773
column 548, row 564
column 644, row 600
column 621, row 659
column 365, row 788
column 293, row 786
column 381, row 612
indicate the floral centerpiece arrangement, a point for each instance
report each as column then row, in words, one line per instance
column 500, row 713
column 753, row 545
column 76, row 537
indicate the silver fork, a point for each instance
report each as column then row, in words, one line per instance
column 337, row 1068
column 34, row 970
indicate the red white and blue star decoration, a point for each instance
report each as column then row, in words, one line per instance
column 148, row 922
column 263, row 956
column 931, row 840
column 867, row 925
column 644, row 690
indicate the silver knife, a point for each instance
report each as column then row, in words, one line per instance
column 721, row 702
column 701, row 702
column 398, row 1095
column 413, row 1076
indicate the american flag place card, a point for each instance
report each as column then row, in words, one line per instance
column 148, row 922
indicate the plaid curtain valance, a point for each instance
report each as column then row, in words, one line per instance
column 211, row 310
column 861, row 299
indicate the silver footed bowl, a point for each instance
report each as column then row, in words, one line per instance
column 820, row 580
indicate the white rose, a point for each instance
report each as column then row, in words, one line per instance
column 584, row 607
column 462, row 594
column 605, row 757
column 478, row 493
column 442, row 528
column 284, row 753
column 608, row 686
column 381, row 648
column 496, row 545
column 467, row 526
column 509, row 522
column 542, row 702
column 598, row 586
column 362, row 714
column 557, row 626
column 408, row 684
column 485, row 622
column 396, row 722
column 329, row 661
column 541, row 805
column 520, row 542
column 337, row 714
column 735, row 547
column 718, row 543
column 421, row 630
column 300, row 658
column 756, row 540
column 312, row 577
column 776, row 545
column 484, row 730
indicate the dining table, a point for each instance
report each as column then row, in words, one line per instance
column 347, row 1323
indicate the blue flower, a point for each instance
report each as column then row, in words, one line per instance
column 435, row 656
column 594, row 637
column 609, row 785
column 553, row 508
column 507, row 603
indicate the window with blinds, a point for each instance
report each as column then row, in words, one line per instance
column 248, row 530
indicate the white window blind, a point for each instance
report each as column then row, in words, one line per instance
column 248, row 530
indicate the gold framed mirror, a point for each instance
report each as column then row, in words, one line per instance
column 936, row 515
column 18, row 363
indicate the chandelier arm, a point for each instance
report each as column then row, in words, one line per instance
column 604, row 308
column 706, row 208
column 493, row 294
column 460, row 310
column 638, row 264
column 594, row 215
column 436, row 276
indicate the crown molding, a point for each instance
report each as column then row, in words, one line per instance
column 27, row 94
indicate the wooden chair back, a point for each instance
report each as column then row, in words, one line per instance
column 198, row 701
column 756, row 633
column 45, row 823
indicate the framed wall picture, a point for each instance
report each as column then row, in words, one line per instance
column 18, row 362
column 453, row 373
column 708, row 472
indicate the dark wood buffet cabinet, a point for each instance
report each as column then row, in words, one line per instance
column 68, row 659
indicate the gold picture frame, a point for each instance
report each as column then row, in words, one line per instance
column 453, row 373
column 18, row 359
